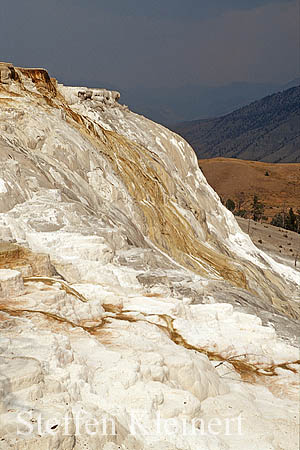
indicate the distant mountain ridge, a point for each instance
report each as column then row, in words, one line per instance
column 172, row 105
column 292, row 83
column 265, row 130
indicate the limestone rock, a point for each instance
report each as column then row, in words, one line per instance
column 7, row 73
column 13, row 256
column 11, row 283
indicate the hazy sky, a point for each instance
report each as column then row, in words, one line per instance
column 157, row 43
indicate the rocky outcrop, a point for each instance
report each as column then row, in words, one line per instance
column 11, row 283
column 7, row 73
column 13, row 256
column 99, row 95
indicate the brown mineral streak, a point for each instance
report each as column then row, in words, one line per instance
column 65, row 286
column 248, row 371
column 166, row 227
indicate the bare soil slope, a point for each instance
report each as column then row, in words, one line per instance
column 280, row 244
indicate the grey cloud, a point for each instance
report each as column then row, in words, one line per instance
column 172, row 9
column 106, row 42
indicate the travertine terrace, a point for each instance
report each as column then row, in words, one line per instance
column 126, row 286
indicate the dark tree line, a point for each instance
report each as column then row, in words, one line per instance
column 288, row 220
column 257, row 207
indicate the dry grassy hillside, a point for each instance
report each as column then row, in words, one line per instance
column 231, row 177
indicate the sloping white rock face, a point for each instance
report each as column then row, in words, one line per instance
column 161, row 325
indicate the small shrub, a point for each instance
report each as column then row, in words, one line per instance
column 230, row 204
